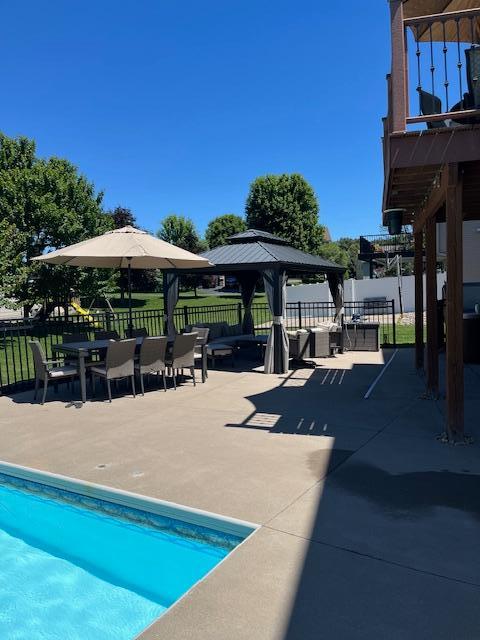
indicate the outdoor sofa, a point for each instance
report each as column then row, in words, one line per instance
column 222, row 332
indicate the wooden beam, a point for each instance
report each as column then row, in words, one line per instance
column 399, row 80
column 433, row 147
column 418, row 270
column 454, row 364
column 435, row 201
column 448, row 115
column 431, row 295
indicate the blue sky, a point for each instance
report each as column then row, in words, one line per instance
column 175, row 107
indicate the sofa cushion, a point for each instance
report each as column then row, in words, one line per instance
column 232, row 329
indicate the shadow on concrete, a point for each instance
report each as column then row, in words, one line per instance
column 411, row 494
column 310, row 401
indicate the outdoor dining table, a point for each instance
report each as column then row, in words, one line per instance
column 83, row 350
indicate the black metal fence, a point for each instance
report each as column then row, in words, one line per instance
column 16, row 364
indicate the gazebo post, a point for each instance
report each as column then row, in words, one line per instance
column 279, row 365
column 170, row 298
column 277, row 329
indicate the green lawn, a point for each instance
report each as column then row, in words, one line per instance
column 150, row 301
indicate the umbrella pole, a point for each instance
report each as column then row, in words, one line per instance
column 129, row 280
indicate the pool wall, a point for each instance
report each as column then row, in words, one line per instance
column 197, row 517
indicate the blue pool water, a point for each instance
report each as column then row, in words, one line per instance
column 79, row 568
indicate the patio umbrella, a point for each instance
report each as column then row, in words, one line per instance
column 126, row 248
column 468, row 29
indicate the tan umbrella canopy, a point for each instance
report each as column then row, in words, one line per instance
column 126, row 248
column 468, row 29
column 123, row 248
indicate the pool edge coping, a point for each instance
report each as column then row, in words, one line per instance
column 190, row 515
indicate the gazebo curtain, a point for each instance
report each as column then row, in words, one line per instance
column 276, row 352
column 170, row 299
column 248, row 283
column 335, row 284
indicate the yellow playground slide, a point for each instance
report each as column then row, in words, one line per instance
column 84, row 312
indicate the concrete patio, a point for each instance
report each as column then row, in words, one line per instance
column 370, row 526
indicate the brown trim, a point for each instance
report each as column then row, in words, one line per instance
column 448, row 115
column 399, row 75
column 435, row 201
column 441, row 17
column 454, row 363
column 418, row 270
column 431, row 291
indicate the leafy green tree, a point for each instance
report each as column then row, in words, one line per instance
column 221, row 227
column 285, row 205
column 181, row 231
column 123, row 217
column 333, row 252
column 352, row 247
column 13, row 270
column 51, row 206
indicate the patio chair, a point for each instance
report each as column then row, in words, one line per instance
column 183, row 355
column 473, row 75
column 138, row 333
column 46, row 370
column 429, row 105
column 101, row 334
column 119, row 363
column 106, row 335
column 200, row 353
column 81, row 336
column 152, row 359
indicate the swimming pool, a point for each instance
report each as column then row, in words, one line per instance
column 82, row 561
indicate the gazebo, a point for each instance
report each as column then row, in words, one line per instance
column 248, row 256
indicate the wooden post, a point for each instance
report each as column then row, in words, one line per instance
column 454, row 362
column 399, row 74
column 431, row 295
column 418, row 269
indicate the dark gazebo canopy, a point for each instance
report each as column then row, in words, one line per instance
column 254, row 250
column 248, row 255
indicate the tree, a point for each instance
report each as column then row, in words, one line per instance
column 333, row 252
column 180, row 231
column 142, row 279
column 13, row 270
column 123, row 217
column 285, row 205
column 50, row 205
column 352, row 247
column 221, row 227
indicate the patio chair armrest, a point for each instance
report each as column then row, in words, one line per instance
column 49, row 363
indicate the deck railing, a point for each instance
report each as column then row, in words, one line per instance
column 389, row 245
column 16, row 364
column 435, row 76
